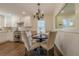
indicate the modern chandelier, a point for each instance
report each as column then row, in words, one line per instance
column 38, row 14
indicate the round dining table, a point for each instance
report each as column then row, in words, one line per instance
column 40, row 37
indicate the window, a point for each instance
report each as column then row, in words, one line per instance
column 41, row 26
column 67, row 23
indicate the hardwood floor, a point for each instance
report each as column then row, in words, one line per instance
column 12, row 49
column 18, row 49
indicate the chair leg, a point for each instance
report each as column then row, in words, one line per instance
column 50, row 52
column 25, row 52
column 47, row 53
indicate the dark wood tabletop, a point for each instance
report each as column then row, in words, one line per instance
column 40, row 38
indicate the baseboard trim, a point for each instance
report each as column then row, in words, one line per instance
column 3, row 42
column 10, row 42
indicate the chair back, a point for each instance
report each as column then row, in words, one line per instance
column 51, row 39
column 26, row 40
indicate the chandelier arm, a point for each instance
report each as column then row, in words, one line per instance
column 38, row 14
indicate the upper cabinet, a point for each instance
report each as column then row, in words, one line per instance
column 8, row 21
column 2, row 21
column 65, row 18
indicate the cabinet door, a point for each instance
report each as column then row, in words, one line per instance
column 2, row 21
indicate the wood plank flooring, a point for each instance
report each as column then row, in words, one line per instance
column 12, row 49
column 18, row 49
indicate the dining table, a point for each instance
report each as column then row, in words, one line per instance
column 40, row 38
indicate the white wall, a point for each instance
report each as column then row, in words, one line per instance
column 77, row 15
column 34, row 24
column 49, row 21
column 57, row 10
column 27, row 21
column 68, row 43
column 67, row 40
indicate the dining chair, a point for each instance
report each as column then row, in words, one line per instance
column 33, row 42
column 29, row 45
column 49, row 43
column 25, row 41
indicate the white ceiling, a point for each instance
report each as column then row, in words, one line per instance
column 69, row 9
column 29, row 8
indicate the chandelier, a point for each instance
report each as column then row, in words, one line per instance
column 38, row 14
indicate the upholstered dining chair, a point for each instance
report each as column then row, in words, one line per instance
column 25, row 41
column 29, row 45
column 49, row 43
column 33, row 43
